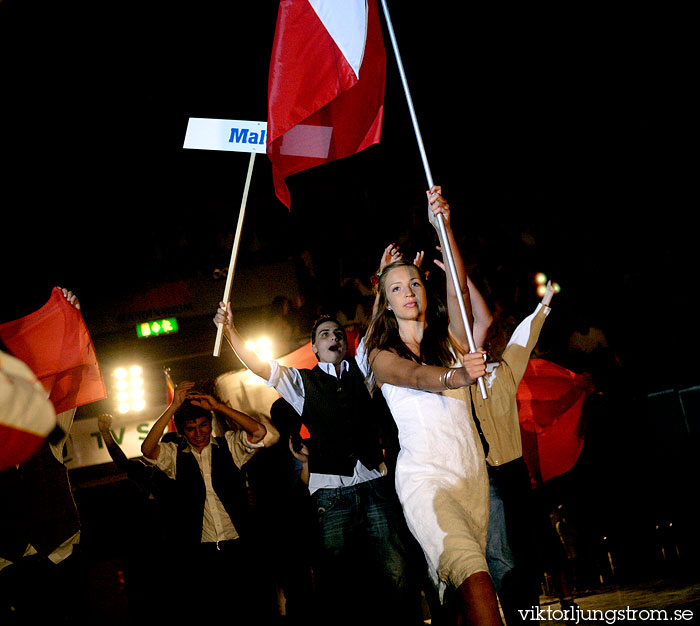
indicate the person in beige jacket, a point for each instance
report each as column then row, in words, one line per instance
column 511, row 543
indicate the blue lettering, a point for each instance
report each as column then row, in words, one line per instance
column 238, row 135
column 253, row 138
column 262, row 137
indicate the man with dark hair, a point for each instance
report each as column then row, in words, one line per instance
column 209, row 511
column 359, row 516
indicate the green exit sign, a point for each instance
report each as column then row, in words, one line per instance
column 157, row 327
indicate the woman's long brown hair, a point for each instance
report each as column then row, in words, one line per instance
column 383, row 331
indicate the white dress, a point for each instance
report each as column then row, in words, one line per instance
column 441, row 480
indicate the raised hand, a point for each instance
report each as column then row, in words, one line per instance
column 181, row 391
column 224, row 315
column 104, row 422
column 391, row 253
column 71, row 297
column 205, row 401
column 438, row 205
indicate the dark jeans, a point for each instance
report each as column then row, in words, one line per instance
column 362, row 569
column 511, row 549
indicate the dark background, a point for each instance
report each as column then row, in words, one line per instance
column 560, row 136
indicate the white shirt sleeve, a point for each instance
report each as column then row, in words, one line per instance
column 361, row 357
column 521, row 335
column 166, row 459
column 289, row 383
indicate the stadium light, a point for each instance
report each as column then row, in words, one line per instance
column 129, row 384
column 262, row 348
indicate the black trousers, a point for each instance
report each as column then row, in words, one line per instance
column 521, row 585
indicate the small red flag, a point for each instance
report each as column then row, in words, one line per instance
column 169, row 387
column 56, row 345
column 169, row 396
column 550, row 402
column 325, row 86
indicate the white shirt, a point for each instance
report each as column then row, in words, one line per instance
column 216, row 523
column 289, row 383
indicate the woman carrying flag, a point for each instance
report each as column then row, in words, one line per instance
column 417, row 351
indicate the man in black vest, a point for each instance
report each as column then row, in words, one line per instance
column 359, row 516
column 213, row 542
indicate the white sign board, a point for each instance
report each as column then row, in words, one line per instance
column 85, row 445
column 228, row 135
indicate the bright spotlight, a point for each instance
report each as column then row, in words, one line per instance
column 262, row 347
column 265, row 348
column 130, row 390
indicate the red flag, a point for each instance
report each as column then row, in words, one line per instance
column 326, row 85
column 169, row 387
column 56, row 345
column 550, row 401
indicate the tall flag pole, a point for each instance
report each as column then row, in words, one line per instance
column 439, row 223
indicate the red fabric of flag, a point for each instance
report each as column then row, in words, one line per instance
column 169, row 388
column 319, row 109
column 550, row 403
column 56, row 345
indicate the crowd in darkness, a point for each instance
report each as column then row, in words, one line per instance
column 587, row 334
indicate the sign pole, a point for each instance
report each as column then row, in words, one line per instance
column 205, row 133
column 444, row 242
column 234, row 250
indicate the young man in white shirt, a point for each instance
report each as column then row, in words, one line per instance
column 355, row 499
column 213, row 542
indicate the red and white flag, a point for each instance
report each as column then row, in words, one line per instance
column 27, row 416
column 326, row 85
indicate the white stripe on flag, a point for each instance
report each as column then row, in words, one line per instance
column 346, row 23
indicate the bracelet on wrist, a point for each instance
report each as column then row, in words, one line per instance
column 447, row 377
